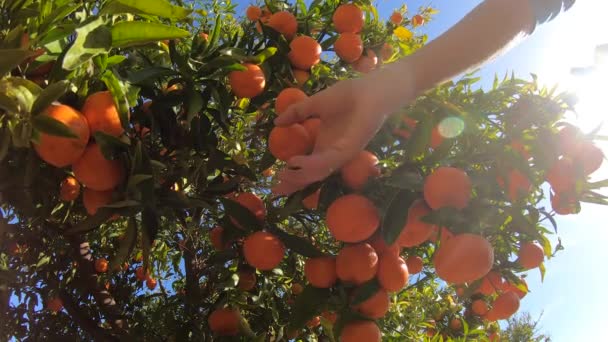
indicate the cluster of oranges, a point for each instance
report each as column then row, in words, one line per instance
column 89, row 166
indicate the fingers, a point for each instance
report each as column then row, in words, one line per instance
column 296, row 113
column 305, row 170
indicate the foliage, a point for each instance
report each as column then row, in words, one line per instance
column 204, row 145
column 523, row 327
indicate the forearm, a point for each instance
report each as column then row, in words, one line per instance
column 486, row 31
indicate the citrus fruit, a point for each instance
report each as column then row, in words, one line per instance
column 151, row 283
column 301, row 76
column 349, row 47
column 436, row 138
column 247, row 83
column 304, row 52
column 357, row 263
column 314, row 322
column 455, row 324
column 60, row 151
column 379, row 245
column 96, row 172
column 247, row 279
column 569, row 139
column 530, row 255
column 590, row 156
column 505, row 305
column 491, row 283
column 415, row 230
column 288, row 97
column 290, row 141
column 253, row 13
column 139, row 274
column 386, row 51
column 296, row 289
column 263, row 250
column 479, row 307
column 285, row 23
column 392, row 272
column 348, row 18
column 321, row 271
column 358, row 170
column 396, row 18
column 447, row 187
column 224, row 322
column 417, row 20
column 93, row 200
column 562, row 175
column 414, row 264
column 463, row 258
column 253, row 203
column 358, row 331
column 102, row 114
column 312, row 126
column 352, row 218
column 376, row 306
column 331, row 316
column 519, row 185
column 443, row 234
column 55, row 304
column 564, row 203
column 69, row 190
column 217, row 240
column 511, row 287
column 520, row 148
column 101, row 265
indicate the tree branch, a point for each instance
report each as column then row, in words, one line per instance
column 87, row 324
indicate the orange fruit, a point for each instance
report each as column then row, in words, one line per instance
column 379, row 245
column 520, row 148
column 314, row 322
column 415, row 230
column 247, row 279
column 252, row 202
column 392, row 272
column 321, row 272
column 519, row 185
column 296, row 289
column 312, row 126
column 414, row 264
column 301, row 76
column 203, row 35
column 491, row 283
column 359, row 170
column 224, row 322
column 304, row 52
column 352, row 218
column 311, row 201
column 331, row 316
column 101, row 265
column 248, row 83
column 569, row 139
column 479, row 307
column 93, row 200
column 590, row 156
column 417, row 20
column 436, row 138
column 396, row 18
column 367, row 62
column 95, row 172
column 349, row 47
column 70, row 189
column 564, row 203
column 348, row 18
column 375, row 306
column 505, row 305
column 263, row 250
column 442, row 234
column 562, row 175
column 268, row 172
column 510, row 287
column 357, row 331
column 357, row 263
column 55, row 304
column 253, row 13
column 59, row 151
column 463, row 258
column 494, row 337
column 530, row 255
column 285, row 23
column 288, row 97
column 386, row 51
column 217, row 240
column 151, row 283
column 447, row 187
column 139, row 274
column 455, row 324
column 287, row 142
column 102, row 114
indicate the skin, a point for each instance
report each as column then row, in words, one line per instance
column 352, row 111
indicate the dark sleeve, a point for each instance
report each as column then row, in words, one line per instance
column 546, row 10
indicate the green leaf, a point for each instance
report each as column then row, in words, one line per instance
column 49, row 125
column 7, row 104
column 395, row 215
column 194, row 104
column 542, row 270
column 91, row 222
column 365, row 291
column 151, row 73
column 262, row 56
column 123, row 204
column 419, row 141
column 215, row 34
column 405, row 180
column 43, row 261
column 297, row 244
column 115, row 60
column 150, row 224
column 131, row 33
column 49, row 95
column 308, row 304
column 120, row 92
column 136, row 179
column 92, row 39
column 161, row 8
column 126, row 245
column 109, row 144
column 11, row 58
column 242, row 215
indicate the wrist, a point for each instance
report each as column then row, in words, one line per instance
column 391, row 87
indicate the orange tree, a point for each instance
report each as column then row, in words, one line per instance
column 137, row 153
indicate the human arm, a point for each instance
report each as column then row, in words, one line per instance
column 352, row 111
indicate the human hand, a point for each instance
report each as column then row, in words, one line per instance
column 351, row 112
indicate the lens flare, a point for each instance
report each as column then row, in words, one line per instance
column 451, row 127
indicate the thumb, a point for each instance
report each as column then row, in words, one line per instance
column 295, row 113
